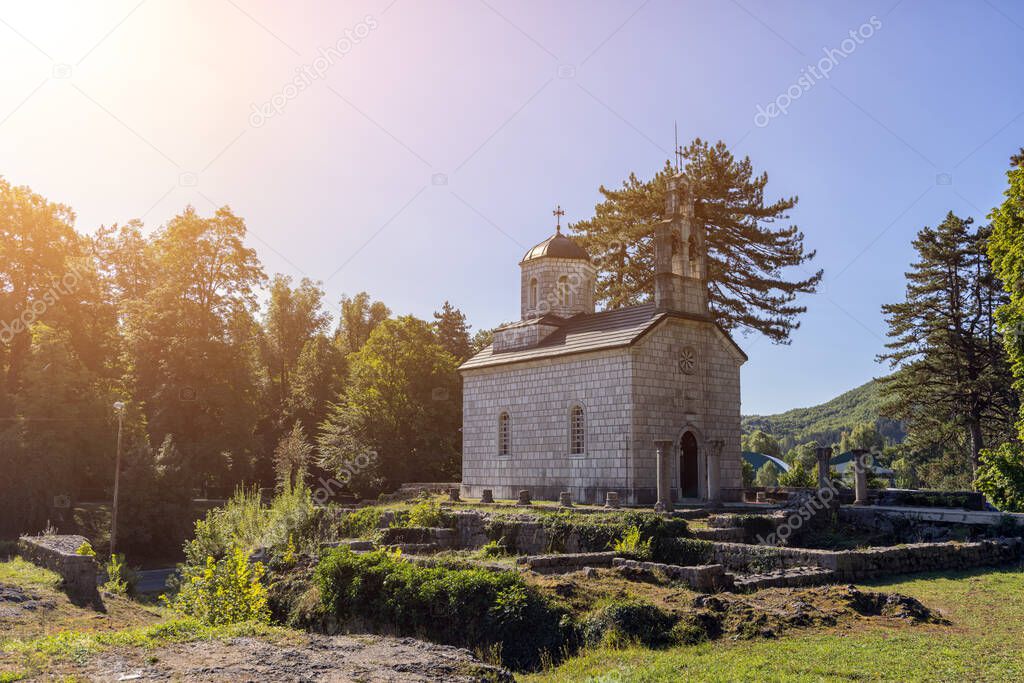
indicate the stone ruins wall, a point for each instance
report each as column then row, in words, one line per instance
column 856, row 565
column 57, row 553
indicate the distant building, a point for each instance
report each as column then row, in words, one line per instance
column 569, row 399
column 759, row 460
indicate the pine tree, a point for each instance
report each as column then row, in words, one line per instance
column 952, row 383
column 746, row 253
column 453, row 332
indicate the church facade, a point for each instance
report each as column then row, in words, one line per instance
column 569, row 399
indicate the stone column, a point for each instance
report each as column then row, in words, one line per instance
column 714, row 457
column 663, row 472
column 824, row 454
column 860, row 474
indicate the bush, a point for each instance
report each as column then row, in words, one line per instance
column 1001, row 477
column 631, row 545
column 464, row 607
column 227, row 591
column 797, row 477
column 493, row 549
column 360, row 523
column 86, row 549
column 626, row 623
column 248, row 524
column 120, row 577
column 428, row 513
column 767, row 475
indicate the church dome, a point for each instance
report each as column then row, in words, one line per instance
column 557, row 246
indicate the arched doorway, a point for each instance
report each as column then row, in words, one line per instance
column 688, row 471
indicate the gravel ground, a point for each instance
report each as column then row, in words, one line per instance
column 315, row 658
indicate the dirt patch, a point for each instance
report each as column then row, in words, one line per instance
column 34, row 612
column 314, row 658
column 768, row 613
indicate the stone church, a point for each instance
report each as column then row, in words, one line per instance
column 569, row 399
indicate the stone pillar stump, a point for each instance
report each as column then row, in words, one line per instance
column 714, row 467
column 524, row 498
column 565, row 499
column 487, row 497
column 611, row 499
column 861, row 459
column 663, row 473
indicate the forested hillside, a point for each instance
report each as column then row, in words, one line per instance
column 825, row 423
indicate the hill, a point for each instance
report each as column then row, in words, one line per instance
column 825, row 423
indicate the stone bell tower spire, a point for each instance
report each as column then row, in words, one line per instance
column 680, row 254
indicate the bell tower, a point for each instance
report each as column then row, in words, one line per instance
column 680, row 254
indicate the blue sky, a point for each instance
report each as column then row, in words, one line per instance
column 427, row 153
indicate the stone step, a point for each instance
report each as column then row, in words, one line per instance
column 729, row 534
column 791, row 577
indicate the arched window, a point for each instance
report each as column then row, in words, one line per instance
column 504, row 434
column 564, row 291
column 577, row 431
column 533, row 294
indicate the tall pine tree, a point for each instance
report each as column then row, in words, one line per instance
column 747, row 253
column 453, row 332
column 952, row 381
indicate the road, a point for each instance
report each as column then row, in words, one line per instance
column 153, row 580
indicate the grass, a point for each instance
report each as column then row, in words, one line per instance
column 27, row 575
column 40, row 640
column 984, row 642
column 75, row 647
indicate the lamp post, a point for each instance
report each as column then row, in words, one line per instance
column 119, row 407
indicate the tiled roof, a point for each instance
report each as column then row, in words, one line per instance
column 583, row 333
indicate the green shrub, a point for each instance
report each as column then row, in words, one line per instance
column 493, row 549
column 465, row 607
column 360, row 523
column 120, row 577
column 428, row 513
column 798, row 476
column 1001, row 477
column 86, row 549
column 625, row 623
column 632, row 546
column 225, row 591
column 246, row 523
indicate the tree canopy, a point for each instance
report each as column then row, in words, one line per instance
column 749, row 253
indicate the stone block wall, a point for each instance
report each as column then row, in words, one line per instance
column 669, row 400
column 538, row 396
column 564, row 563
column 857, row 565
column 57, row 553
column 705, row 578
